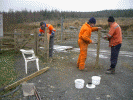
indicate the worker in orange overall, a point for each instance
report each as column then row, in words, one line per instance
column 84, row 40
column 115, row 41
column 51, row 31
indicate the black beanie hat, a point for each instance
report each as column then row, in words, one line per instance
column 92, row 20
column 111, row 19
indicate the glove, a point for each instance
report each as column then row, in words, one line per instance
column 43, row 28
column 40, row 34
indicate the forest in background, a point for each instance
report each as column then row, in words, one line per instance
column 16, row 17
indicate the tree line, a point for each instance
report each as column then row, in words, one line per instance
column 15, row 17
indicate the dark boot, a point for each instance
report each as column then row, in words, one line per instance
column 85, row 70
column 110, row 71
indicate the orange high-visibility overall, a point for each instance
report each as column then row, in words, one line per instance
column 83, row 41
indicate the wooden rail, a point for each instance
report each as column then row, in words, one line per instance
column 25, row 79
column 7, row 41
column 15, row 41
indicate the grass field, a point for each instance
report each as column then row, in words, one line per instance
column 7, row 71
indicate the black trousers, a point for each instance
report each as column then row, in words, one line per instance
column 51, row 44
column 114, row 55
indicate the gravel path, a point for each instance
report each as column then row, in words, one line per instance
column 58, row 82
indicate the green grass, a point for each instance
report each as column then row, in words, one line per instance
column 7, row 71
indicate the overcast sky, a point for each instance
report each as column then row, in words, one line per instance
column 65, row 5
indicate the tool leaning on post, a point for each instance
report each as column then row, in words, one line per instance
column 84, row 40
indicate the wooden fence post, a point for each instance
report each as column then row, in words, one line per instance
column 0, row 43
column 47, row 42
column 36, row 42
column 15, row 40
column 98, row 48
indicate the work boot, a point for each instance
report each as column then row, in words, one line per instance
column 85, row 69
column 77, row 65
column 110, row 71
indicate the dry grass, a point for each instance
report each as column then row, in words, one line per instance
column 125, row 23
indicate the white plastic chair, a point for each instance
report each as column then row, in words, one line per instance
column 27, row 59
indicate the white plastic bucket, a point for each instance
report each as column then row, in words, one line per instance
column 79, row 83
column 96, row 80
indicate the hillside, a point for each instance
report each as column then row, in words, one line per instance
column 13, row 18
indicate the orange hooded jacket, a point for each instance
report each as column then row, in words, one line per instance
column 49, row 29
column 85, row 33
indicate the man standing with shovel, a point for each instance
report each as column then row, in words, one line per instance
column 51, row 31
column 115, row 40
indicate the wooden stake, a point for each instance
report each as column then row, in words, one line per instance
column 26, row 79
column 36, row 42
column 15, row 41
column 47, row 36
column 98, row 48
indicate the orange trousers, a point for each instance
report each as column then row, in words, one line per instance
column 83, row 54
